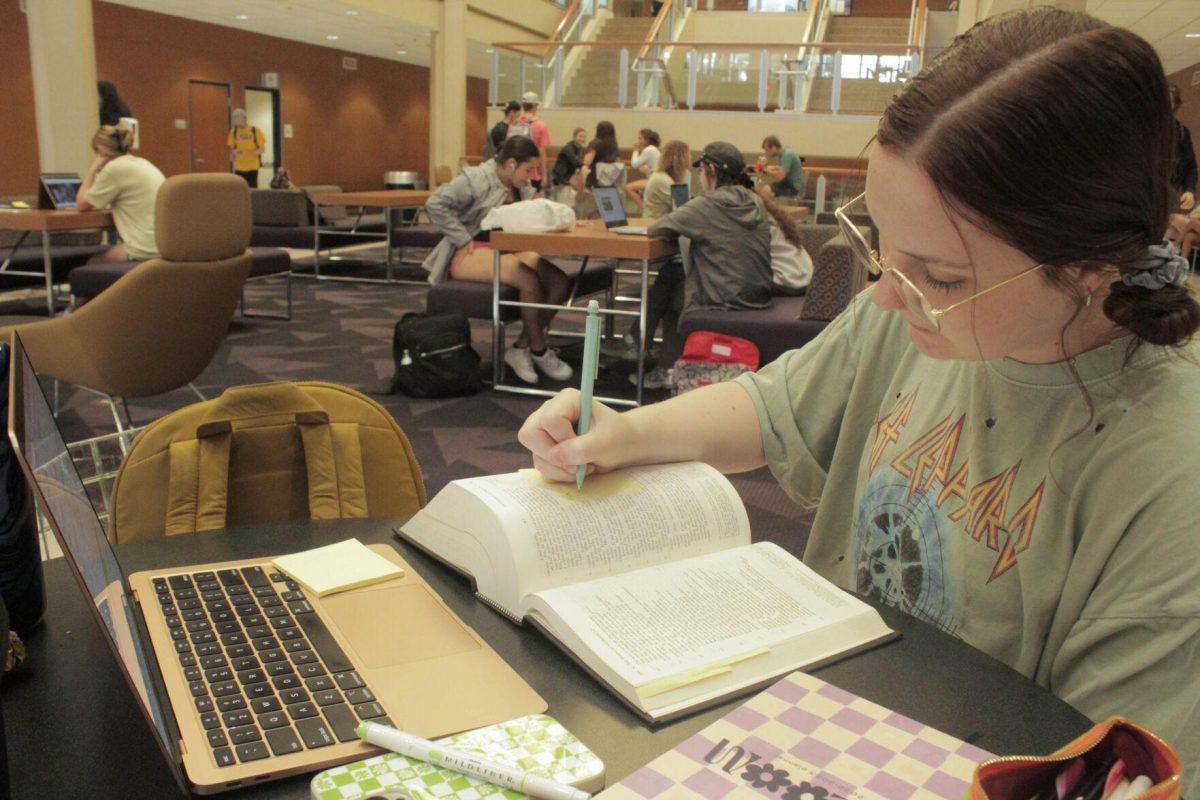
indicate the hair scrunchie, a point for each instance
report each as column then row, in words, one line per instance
column 1161, row 266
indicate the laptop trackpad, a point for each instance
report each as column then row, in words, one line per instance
column 396, row 625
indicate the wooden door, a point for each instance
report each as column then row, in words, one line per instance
column 208, row 121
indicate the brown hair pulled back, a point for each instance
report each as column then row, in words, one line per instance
column 113, row 141
column 1052, row 130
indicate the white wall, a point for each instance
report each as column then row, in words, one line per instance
column 738, row 26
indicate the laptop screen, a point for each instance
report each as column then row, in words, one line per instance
column 608, row 200
column 64, row 501
column 680, row 193
column 62, row 189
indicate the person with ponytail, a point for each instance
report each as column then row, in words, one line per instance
column 1001, row 435
column 126, row 185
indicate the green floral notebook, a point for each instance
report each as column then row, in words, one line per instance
column 535, row 743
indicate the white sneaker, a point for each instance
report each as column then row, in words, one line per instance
column 551, row 365
column 658, row 378
column 520, row 361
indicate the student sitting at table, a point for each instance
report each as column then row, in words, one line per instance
column 791, row 265
column 673, row 167
column 127, row 185
column 643, row 164
column 1000, row 436
column 727, row 263
column 457, row 208
column 569, row 160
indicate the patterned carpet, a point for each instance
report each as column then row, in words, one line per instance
column 341, row 332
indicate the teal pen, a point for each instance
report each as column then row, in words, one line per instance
column 591, row 365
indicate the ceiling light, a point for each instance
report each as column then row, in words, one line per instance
column 351, row 13
column 401, row 52
column 331, row 38
column 242, row 16
column 1195, row 35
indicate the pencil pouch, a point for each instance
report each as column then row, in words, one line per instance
column 1089, row 767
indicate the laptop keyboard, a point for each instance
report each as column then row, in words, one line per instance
column 265, row 673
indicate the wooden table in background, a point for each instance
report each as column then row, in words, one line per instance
column 386, row 199
column 47, row 222
column 589, row 239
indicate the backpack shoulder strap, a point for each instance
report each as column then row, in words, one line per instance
column 198, row 490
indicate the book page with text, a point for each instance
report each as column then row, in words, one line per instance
column 620, row 521
column 661, row 621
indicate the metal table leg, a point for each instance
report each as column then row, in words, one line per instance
column 387, row 225
column 641, row 368
column 317, row 242
column 497, row 328
column 46, row 265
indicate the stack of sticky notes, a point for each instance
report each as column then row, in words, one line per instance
column 337, row 567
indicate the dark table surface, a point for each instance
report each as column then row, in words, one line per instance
column 74, row 729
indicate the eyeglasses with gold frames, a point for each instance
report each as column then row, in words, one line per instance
column 913, row 297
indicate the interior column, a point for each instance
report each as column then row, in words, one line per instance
column 448, row 88
column 62, row 55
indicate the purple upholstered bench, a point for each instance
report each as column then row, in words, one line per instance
column 63, row 259
column 792, row 322
column 775, row 329
column 90, row 280
column 416, row 236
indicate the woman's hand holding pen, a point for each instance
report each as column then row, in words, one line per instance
column 549, row 433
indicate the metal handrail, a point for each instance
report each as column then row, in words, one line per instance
column 919, row 36
column 572, row 9
column 872, row 47
column 653, row 33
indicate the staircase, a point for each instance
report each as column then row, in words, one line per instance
column 865, row 95
column 594, row 81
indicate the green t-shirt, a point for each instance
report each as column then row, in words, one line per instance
column 983, row 498
column 793, row 170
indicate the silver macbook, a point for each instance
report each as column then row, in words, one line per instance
column 612, row 211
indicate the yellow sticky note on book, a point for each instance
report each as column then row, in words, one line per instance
column 337, row 567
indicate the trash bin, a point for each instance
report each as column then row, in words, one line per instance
column 402, row 179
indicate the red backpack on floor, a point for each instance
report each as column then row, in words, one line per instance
column 710, row 357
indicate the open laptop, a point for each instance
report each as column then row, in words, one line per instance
column 240, row 676
column 58, row 190
column 612, row 211
column 680, row 194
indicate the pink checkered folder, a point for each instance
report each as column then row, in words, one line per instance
column 804, row 739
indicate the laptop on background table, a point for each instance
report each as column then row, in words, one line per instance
column 680, row 194
column 58, row 190
column 612, row 211
column 243, row 678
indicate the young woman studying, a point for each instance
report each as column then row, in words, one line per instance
column 458, row 208
column 673, row 167
column 999, row 436
column 126, row 185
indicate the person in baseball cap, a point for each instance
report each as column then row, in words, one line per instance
column 726, row 159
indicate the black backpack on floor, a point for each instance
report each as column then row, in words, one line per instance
column 434, row 357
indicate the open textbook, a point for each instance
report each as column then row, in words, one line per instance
column 647, row 577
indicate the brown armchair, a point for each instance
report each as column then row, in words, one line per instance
column 158, row 327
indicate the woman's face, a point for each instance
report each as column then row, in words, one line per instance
column 581, row 138
column 949, row 259
column 517, row 175
column 641, row 141
column 708, row 177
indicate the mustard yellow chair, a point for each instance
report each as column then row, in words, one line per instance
column 158, row 327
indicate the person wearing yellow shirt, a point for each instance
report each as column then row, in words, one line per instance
column 246, row 148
